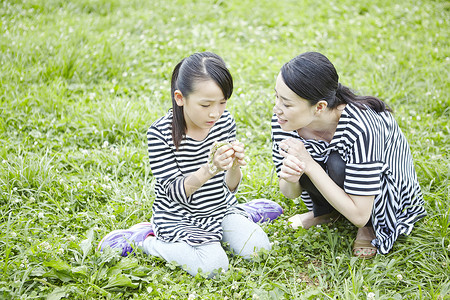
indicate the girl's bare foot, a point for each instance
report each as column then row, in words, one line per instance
column 308, row 220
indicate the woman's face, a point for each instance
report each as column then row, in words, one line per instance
column 203, row 107
column 292, row 111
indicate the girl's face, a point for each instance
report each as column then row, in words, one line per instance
column 203, row 107
column 292, row 111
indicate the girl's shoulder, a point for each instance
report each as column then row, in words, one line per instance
column 226, row 119
column 163, row 125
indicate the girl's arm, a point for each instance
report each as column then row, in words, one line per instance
column 222, row 161
column 197, row 179
column 234, row 175
column 357, row 209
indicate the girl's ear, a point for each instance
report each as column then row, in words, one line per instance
column 178, row 96
column 321, row 106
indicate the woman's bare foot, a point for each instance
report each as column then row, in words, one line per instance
column 362, row 247
column 308, row 220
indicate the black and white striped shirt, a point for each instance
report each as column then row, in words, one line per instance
column 378, row 162
column 195, row 219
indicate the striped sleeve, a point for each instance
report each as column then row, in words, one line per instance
column 164, row 166
column 363, row 179
column 277, row 136
column 364, row 165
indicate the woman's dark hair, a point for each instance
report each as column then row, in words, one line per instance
column 198, row 67
column 313, row 77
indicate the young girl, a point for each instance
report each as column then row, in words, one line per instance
column 344, row 154
column 196, row 162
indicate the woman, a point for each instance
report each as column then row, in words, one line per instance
column 344, row 154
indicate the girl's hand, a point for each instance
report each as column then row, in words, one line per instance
column 239, row 154
column 223, row 156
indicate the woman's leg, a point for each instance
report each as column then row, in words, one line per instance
column 335, row 167
column 244, row 236
column 323, row 212
column 209, row 257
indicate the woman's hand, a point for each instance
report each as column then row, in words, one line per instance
column 296, row 159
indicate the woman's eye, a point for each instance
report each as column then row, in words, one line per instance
column 204, row 105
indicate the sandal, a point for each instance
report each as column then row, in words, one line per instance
column 364, row 249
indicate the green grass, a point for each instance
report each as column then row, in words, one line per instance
column 80, row 82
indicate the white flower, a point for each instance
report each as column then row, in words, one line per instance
column 400, row 277
column 41, row 215
column 106, row 178
column 84, row 151
column 46, row 246
column 79, row 185
column 4, row 161
column 371, row 296
column 192, row 296
column 105, row 144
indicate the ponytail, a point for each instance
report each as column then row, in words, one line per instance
column 314, row 78
column 345, row 95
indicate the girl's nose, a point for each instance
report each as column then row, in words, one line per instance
column 213, row 114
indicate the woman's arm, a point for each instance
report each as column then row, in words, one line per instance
column 357, row 209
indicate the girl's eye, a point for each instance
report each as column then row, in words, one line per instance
column 204, row 105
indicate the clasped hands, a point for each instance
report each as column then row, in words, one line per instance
column 296, row 159
column 225, row 156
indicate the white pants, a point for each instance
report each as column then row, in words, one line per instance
column 243, row 236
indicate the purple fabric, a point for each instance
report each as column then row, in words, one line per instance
column 125, row 239
column 262, row 210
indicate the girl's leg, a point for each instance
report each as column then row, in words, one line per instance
column 209, row 257
column 244, row 236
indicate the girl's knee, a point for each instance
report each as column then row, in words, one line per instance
column 212, row 264
column 257, row 241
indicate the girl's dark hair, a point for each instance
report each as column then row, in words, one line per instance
column 313, row 77
column 201, row 66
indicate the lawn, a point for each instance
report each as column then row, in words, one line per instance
column 81, row 81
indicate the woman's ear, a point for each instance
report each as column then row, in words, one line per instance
column 178, row 96
column 321, row 106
